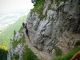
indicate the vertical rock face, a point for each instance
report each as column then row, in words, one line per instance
column 59, row 28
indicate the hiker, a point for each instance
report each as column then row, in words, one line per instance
column 76, row 56
column 26, row 29
column 23, row 24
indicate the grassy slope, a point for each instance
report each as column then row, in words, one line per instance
column 8, row 34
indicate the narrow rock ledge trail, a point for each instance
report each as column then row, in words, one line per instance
column 41, row 55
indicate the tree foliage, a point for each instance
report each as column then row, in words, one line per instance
column 3, row 54
column 34, row 2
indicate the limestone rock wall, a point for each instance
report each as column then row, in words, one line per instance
column 60, row 27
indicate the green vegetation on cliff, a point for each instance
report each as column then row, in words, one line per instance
column 28, row 54
column 69, row 55
column 15, row 43
column 39, row 8
column 58, row 1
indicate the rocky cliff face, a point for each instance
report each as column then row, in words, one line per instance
column 55, row 25
column 21, row 48
column 54, row 28
column 16, row 47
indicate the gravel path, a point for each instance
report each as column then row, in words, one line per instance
column 41, row 55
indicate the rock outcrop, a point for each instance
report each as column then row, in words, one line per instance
column 57, row 24
column 16, row 47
